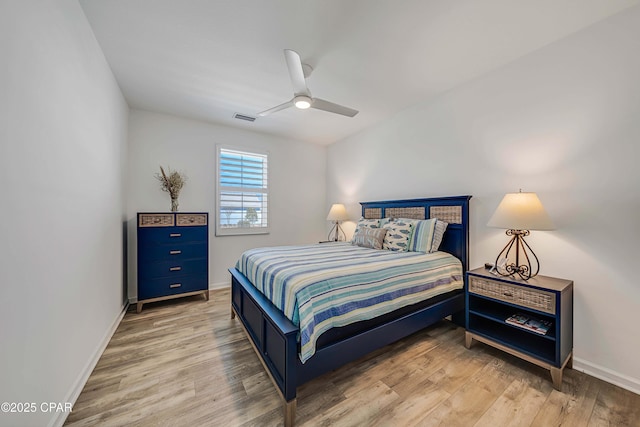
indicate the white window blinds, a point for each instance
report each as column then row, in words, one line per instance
column 242, row 192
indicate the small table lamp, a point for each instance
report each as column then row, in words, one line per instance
column 519, row 213
column 337, row 213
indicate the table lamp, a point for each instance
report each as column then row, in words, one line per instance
column 519, row 213
column 337, row 213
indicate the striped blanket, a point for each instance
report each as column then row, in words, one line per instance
column 319, row 287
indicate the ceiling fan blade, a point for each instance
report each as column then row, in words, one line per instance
column 277, row 108
column 321, row 104
column 294, row 64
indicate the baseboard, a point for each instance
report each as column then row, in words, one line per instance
column 60, row 417
column 605, row 374
column 219, row 285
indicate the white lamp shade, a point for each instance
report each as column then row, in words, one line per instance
column 337, row 213
column 521, row 211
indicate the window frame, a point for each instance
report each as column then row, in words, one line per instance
column 240, row 231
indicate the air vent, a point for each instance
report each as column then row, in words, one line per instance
column 244, row 117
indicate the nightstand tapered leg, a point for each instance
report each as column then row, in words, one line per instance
column 556, row 377
column 290, row 413
column 468, row 339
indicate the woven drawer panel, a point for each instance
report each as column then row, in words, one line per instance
column 187, row 220
column 373, row 213
column 411, row 213
column 156, row 220
column 525, row 297
column 448, row 214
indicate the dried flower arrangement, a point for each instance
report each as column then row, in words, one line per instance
column 171, row 182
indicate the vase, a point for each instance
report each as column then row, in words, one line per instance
column 174, row 204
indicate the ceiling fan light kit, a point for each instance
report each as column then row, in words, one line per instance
column 302, row 102
column 302, row 96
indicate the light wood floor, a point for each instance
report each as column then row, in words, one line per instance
column 186, row 363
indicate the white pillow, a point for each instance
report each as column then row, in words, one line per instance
column 438, row 234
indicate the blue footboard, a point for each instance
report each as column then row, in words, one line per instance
column 272, row 334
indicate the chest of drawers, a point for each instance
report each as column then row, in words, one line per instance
column 173, row 256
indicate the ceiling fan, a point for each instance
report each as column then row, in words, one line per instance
column 302, row 98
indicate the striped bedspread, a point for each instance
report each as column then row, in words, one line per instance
column 319, row 287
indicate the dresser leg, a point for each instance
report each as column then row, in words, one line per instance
column 139, row 307
column 556, row 377
column 468, row 339
column 233, row 313
column 206, row 295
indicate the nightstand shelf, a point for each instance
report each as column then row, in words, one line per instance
column 500, row 312
column 491, row 300
column 534, row 346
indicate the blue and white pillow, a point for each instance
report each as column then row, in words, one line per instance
column 384, row 221
column 422, row 238
column 398, row 235
column 369, row 237
column 365, row 223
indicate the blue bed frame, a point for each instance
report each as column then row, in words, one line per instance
column 274, row 337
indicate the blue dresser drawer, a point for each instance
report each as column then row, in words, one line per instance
column 173, row 252
column 166, row 286
column 151, row 269
column 171, row 235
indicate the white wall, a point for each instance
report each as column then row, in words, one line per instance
column 297, row 178
column 63, row 124
column 562, row 122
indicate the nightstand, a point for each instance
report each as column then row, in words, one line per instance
column 492, row 299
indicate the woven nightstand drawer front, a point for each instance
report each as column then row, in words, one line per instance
column 156, row 220
column 187, row 220
column 526, row 297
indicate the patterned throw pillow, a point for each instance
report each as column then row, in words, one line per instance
column 398, row 235
column 370, row 237
column 438, row 234
column 422, row 238
column 384, row 221
column 365, row 223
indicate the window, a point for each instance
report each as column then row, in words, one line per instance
column 242, row 192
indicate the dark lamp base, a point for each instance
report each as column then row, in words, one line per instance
column 504, row 267
column 336, row 235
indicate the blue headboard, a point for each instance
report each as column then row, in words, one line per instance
column 453, row 210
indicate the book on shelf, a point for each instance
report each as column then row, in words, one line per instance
column 517, row 319
column 538, row 326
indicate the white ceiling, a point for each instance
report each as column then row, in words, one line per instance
column 207, row 59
